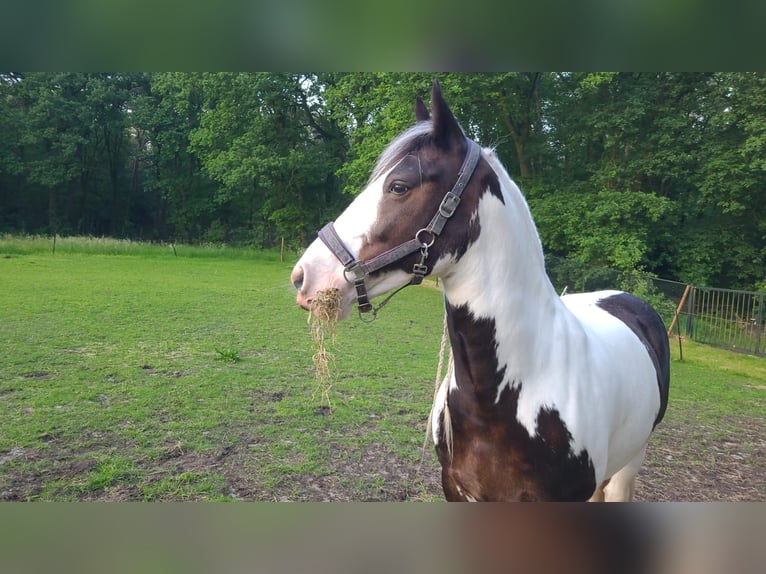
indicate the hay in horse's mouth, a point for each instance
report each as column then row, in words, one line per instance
column 323, row 317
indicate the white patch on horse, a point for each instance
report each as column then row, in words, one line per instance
column 353, row 227
column 565, row 354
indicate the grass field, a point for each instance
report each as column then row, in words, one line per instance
column 128, row 372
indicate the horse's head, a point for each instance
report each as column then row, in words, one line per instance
column 414, row 218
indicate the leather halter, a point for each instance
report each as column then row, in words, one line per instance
column 423, row 240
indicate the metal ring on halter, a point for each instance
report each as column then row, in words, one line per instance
column 354, row 268
column 425, row 244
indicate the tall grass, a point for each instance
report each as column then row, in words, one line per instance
column 11, row 244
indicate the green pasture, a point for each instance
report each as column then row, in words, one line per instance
column 112, row 364
column 128, row 371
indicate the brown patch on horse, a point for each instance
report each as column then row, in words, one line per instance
column 542, row 466
column 525, row 468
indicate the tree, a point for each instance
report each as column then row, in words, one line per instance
column 265, row 139
column 505, row 106
column 726, row 242
column 370, row 109
column 14, row 214
column 660, row 172
column 71, row 134
column 175, row 198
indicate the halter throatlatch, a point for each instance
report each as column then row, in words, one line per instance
column 355, row 270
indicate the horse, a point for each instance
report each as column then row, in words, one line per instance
column 550, row 398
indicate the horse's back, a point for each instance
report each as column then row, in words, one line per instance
column 647, row 325
column 642, row 320
column 629, row 353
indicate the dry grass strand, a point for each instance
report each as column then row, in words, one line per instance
column 324, row 315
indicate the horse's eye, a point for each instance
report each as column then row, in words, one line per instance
column 398, row 188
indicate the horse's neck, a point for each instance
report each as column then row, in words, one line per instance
column 499, row 290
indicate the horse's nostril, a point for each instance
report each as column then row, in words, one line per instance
column 297, row 278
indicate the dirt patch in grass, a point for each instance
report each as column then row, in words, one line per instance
column 25, row 472
column 365, row 473
column 685, row 462
column 37, row 375
column 701, row 462
column 720, row 461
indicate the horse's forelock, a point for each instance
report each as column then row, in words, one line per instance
column 403, row 144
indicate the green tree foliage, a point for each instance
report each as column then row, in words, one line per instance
column 653, row 172
column 165, row 110
column 658, row 172
column 65, row 146
column 370, row 109
column 267, row 140
column 505, row 111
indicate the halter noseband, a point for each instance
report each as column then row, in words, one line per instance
column 423, row 240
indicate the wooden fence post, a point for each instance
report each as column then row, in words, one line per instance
column 678, row 309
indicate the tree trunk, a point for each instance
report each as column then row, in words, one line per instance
column 525, row 168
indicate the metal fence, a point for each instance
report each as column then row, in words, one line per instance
column 722, row 317
column 726, row 318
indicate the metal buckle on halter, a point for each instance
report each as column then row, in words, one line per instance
column 362, row 298
column 449, row 205
column 419, row 271
column 364, row 307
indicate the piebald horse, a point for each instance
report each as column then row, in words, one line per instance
column 551, row 398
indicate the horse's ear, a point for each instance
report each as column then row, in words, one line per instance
column 421, row 111
column 446, row 130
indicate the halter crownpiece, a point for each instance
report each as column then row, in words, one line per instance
column 423, row 240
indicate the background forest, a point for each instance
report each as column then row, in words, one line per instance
column 663, row 173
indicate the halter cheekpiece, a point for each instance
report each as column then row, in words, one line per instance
column 355, row 270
